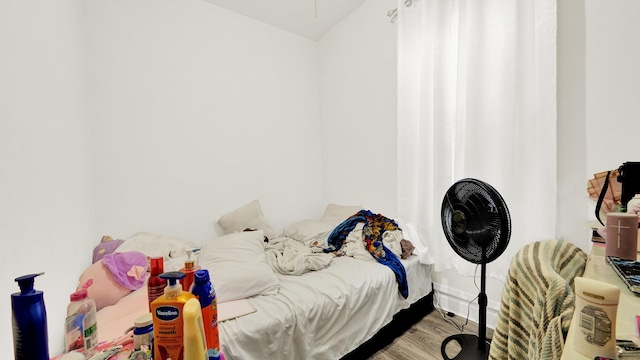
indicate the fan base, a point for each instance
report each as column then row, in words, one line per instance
column 469, row 345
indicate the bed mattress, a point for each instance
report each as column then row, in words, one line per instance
column 320, row 314
column 323, row 314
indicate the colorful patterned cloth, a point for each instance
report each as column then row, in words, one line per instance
column 375, row 226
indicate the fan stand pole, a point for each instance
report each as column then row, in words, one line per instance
column 482, row 302
column 473, row 347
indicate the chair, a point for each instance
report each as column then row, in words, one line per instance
column 537, row 301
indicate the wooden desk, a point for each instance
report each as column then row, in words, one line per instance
column 628, row 307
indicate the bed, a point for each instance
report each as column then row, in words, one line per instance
column 284, row 298
column 324, row 314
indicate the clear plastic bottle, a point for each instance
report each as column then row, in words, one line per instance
column 81, row 328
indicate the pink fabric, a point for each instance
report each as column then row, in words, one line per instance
column 120, row 264
column 115, row 320
column 137, row 272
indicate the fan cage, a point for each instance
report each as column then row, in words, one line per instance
column 486, row 224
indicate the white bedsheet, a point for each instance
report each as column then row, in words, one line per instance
column 323, row 314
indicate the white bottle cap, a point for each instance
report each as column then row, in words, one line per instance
column 72, row 356
column 143, row 320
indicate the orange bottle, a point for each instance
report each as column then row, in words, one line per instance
column 189, row 270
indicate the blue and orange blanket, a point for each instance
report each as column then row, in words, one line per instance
column 375, row 226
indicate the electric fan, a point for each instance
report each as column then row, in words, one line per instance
column 476, row 222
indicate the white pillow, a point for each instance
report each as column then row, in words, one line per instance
column 335, row 214
column 154, row 245
column 306, row 231
column 238, row 266
column 247, row 216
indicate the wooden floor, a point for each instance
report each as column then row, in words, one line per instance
column 423, row 340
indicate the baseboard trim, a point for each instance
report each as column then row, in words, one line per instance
column 457, row 302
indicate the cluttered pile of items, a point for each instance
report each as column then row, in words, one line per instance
column 182, row 322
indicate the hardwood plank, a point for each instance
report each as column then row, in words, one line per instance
column 423, row 340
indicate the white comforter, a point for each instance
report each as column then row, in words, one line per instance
column 323, row 314
column 290, row 257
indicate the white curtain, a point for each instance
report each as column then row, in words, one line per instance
column 477, row 98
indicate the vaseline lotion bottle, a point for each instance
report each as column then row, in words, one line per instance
column 168, row 323
column 195, row 347
column 596, row 311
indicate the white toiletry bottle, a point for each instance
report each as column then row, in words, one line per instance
column 596, row 311
column 635, row 201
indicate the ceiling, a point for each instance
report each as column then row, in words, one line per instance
column 308, row 18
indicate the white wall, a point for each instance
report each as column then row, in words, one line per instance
column 126, row 116
column 46, row 219
column 573, row 202
column 358, row 109
column 196, row 111
column 613, row 83
column 598, row 56
column 599, row 79
column 598, row 82
column 152, row 116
